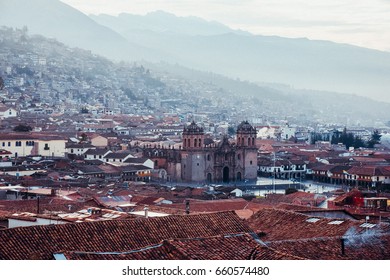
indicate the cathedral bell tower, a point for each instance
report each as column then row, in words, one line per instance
column 193, row 137
column 246, row 135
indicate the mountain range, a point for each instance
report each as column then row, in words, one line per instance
column 209, row 46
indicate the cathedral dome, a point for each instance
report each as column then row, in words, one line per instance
column 245, row 127
column 193, row 128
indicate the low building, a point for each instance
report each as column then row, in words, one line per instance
column 33, row 144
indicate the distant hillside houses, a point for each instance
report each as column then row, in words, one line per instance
column 7, row 112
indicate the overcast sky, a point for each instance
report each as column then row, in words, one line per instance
column 360, row 22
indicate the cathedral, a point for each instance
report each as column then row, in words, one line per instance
column 201, row 160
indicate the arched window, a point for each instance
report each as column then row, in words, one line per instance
column 195, row 142
column 208, row 157
column 200, row 142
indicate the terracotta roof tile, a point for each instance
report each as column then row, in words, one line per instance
column 224, row 247
column 356, row 247
column 114, row 235
column 274, row 224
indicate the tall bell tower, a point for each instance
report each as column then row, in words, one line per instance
column 193, row 137
column 246, row 135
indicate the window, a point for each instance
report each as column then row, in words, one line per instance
column 251, row 162
column 29, row 143
column 46, row 147
column 238, row 156
column 3, row 144
column 18, row 143
column 208, row 157
column 335, row 222
column 9, row 144
column 312, row 220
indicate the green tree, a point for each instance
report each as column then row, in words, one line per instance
column 358, row 142
column 375, row 139
column 231, row 130
column 1, row 83
column 84, row 110
column 22, row 128
column 84, row 137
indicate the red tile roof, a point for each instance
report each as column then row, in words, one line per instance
column 40, row 242
column 273, row 225
column 360, row 247
column 223, row 247
column 208, row 206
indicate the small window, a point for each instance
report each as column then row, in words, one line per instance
column 335, row 222
column 367, row 225
column 251, row 162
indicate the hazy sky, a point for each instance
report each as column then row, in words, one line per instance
column 360, row 22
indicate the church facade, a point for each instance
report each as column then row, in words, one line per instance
column 202, row 160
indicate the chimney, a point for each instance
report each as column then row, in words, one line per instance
column 146, row 209
column 342, row 240
column 187, row 206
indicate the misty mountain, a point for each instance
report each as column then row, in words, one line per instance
column 280, row 100
column 54, row 19
column 139, row 88
column 163, row 22
column 300, row 62
column 208, row 46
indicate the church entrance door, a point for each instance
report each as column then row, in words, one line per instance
column 226, row 174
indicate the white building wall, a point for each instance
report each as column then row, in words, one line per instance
column 12, row 223
column 56, row 148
